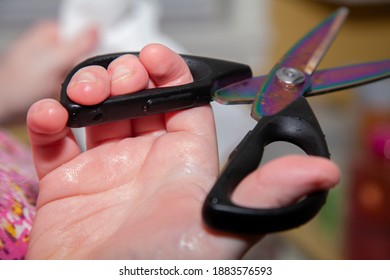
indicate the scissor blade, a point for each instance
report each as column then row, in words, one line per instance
column 323, row 81
column 242, row 92
column 304, row 56
column 307, row 53
column 329, row 80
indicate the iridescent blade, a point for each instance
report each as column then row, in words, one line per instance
column 323, row 81
column 304, row 56
column 308, row 52
column 241, row 92
column 344, row 77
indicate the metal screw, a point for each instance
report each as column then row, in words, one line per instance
column 290, row 77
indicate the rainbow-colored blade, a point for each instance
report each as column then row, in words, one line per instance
column 243, row 92
column 322, row 81
column 303, row 56
column 344, row 77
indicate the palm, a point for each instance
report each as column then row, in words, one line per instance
column 113, row 196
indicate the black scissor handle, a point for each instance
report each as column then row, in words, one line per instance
column 209, row 75
column 296, row 124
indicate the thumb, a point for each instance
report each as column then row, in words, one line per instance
column 285, row 180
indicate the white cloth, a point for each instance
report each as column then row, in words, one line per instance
column 124, row 25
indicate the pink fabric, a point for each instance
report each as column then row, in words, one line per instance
column 18, row 193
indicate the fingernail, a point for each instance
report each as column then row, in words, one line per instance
column 84, row 77
column 119, row 74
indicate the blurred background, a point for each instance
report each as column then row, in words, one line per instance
column 355, row 222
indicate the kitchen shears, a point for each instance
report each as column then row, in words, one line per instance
column 279, row 106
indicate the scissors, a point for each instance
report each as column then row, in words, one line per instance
column 278, row 105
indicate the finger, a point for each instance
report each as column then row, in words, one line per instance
column 66, row 53
column 125, row 75
column 89, row 85
column 165, row 68
column 52, row 142
column 285, row 180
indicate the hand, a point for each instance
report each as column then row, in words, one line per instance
column 34, row 66
column 137, row 192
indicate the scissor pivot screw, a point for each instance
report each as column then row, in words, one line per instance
column 290, row 77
